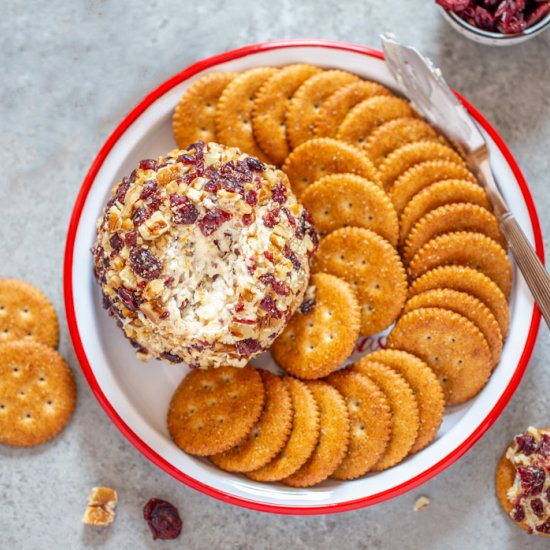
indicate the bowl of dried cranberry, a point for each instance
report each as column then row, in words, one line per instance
column 497, row 22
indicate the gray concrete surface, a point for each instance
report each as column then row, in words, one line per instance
column 70, row 71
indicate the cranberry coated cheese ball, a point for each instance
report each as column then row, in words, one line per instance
column 203, row 256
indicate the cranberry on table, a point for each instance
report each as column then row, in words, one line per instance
column 163, row 519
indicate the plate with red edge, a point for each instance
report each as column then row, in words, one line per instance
column 135, row 395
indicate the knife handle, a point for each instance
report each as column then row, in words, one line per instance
column 535, row 274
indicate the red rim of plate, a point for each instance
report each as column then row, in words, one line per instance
column 148, row 451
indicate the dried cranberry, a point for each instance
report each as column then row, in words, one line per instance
column 532, row 479
column 144, row 264
column 252, row 267
column 169, row 281
column 526, row 444
column 254, row 164
column 247, row 347
column 544, row 527
column 116, row 242
column 307, row 306
column 106, row 302
column 212, row 186
column 543, row 446
column 270, row 218
column 537, row 14
column 198, row 146
column 251, row 198
column 268, row 304
column 163, row 519
column 279, row 194
column 291, row 218
column 518, row 513
column 244, row 321
column 183, row 210
column 269, row 256
column 148, row 164
column 129, row 298
column 287, row 253
column 239, row 307
column 122, row 189
column 267, row 278
column 247, row 219
column 131, row 238
column 484, row 19
column 212, row 220
column 142, row 214
column 282, row 289
column 165, row 315
column 148, row 189
column 172, row 357
column 537, row 507
column 453, row 5
column 186, row 158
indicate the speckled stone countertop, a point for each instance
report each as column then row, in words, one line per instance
column 70, row 72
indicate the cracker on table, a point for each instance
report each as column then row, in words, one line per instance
column 26, row 314
column 471, row 281
column 465, row 248
column 333, row 437
column 234, row 111
column 195, row 115
column 324, row 156
column 373, row 268
column 268, row 436
column 451, row 345
column 337, row 106
column 370, row 423
column 426, row 388
column 270, row 106
column 317, row 342
column 468, row 306
column 303, row 438
column 213, row 410
column 362, row 120
column 342, row 200
column 37, row 393
column 422, row 175
column 305, row 105
column 403, row 404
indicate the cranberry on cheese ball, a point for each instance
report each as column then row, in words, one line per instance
column 203, row 256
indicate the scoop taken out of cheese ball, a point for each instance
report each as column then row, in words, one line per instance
column 203, row 255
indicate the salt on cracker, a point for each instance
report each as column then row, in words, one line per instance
column 333, row 437
column 394, row 134
column 270, row 106
column 370, row 423
column 468, row 306
column 337, row 106
column 26, row 314
column 369, row 114
column 422, row 175
column 37, row 393
column 342, row 200
column 234, row 111
column 400, row 160
column 373, row 268
column 459, row 216
column 305, row 105
column 324, row 156
column 471, row 281
column 451, row 345
column 404, row 410
column 268, row 436
column 213, row 410
column 426, row 388
column 195, row 115
column 465, row 248
column 316, row 343
column 303, row 437
column 439, row 194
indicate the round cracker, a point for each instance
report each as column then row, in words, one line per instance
column 405, row 419
column 333, row 437
column 451, row 345
column 268, row 436
column 234, row 111
column 337, row 106
column 26, row 314
column 439, row 194
column 459, row 216
column 270, row 106
column 195, row 115
column 305, row 105
column 37, row 393
column 316, row 343
column 471, row 281
column 394, row 134
column 324, row 156
column 426, row 388
column 342, row 200
column 369, row 114
column 303, row 437
column 423, row 174
column 213, row 410
column 370, row 423
column 466, row 305
column 400, row 160
column 373, row 268
column 468, row 249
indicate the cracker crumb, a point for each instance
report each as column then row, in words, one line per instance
column 421, row 503
column 101, row 507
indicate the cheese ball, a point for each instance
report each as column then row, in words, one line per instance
column 203, row 256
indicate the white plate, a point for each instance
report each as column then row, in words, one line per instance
column 136, row 395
